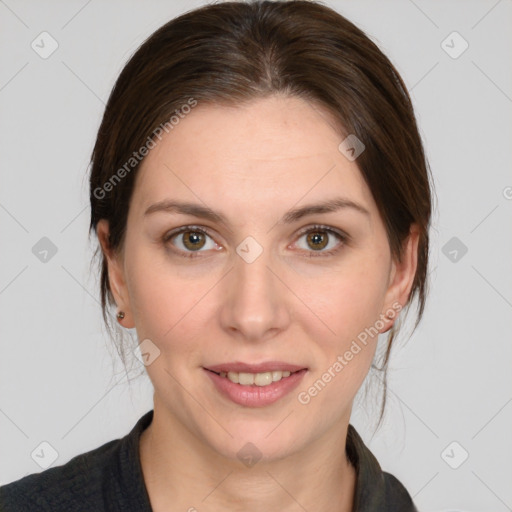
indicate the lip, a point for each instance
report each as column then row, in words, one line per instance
column 256, row 396
column 268, row 366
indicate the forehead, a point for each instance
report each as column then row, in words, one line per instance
column 270, row 151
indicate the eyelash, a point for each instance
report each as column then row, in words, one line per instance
column 317, row 227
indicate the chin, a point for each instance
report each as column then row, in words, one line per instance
column 254, row 441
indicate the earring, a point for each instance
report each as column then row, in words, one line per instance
column 120, row 315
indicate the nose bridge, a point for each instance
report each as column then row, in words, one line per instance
column 255, row 300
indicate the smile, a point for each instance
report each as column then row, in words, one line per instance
column 255, row 389
column 258, row 379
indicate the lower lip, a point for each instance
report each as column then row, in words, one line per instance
column 256, row 396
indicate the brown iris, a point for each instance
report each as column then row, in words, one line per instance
column 193, row 240
column 318, row 238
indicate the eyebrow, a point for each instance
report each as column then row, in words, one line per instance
column 197, row 210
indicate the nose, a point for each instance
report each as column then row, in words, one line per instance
column 256, row 302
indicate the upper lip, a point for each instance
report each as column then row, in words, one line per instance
column 268, row 366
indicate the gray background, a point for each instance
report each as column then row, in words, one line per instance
column 59, row 378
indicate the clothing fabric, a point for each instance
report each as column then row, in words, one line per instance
column 109, row 478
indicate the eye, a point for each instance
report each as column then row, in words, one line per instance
column 317, row 238
column 190, row 239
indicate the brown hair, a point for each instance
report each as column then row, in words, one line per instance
column 232, row 52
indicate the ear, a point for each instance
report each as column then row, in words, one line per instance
column 401, row 279
column 116, row 275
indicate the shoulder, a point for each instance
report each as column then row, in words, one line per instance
column 106, row 478
column 73, row 486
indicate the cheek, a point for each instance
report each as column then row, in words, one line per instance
column 354, row 297
column 162, row 303
column 351, row 308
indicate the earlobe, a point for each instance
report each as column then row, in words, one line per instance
column 115, row 275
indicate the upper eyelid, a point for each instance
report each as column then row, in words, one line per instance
column 182, row 229
column 323, row 227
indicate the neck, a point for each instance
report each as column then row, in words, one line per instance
column 179, row 470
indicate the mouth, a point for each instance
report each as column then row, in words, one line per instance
column 255, row 385
column 261, row 379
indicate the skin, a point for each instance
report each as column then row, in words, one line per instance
column 253, row 163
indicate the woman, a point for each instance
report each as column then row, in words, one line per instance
column 261, row 199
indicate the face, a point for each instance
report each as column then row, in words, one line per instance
column 260, row 279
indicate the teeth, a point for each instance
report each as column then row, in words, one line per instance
column 260, row 379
